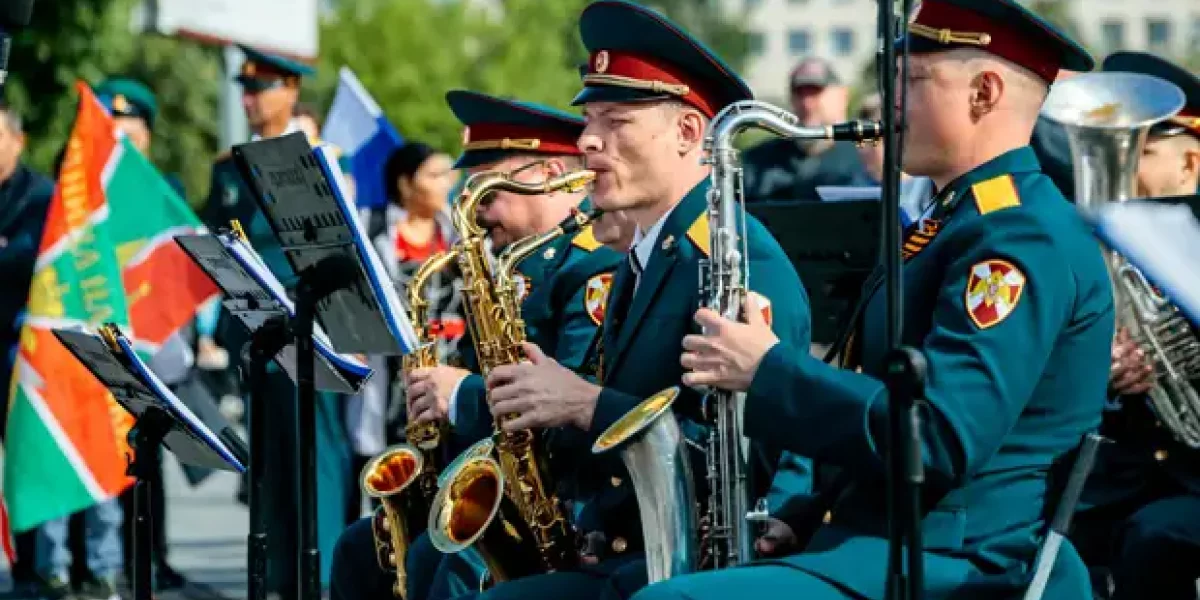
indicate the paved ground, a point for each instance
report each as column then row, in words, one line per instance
column 207, row 532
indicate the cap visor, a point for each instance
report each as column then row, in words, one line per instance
column 608, row 93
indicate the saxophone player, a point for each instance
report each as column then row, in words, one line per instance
column 1143, row 497
column 650, row 91
column 565, row 291
column 1007, row 296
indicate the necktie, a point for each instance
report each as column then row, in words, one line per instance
column 635, row 265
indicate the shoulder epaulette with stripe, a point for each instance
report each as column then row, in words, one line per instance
column 586, row 240
column 995, row 194
column 698, row 233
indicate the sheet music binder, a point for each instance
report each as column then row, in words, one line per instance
column 192, row 438
column 253, row 294
column 1162, row 239
column 302, row 192
column 834, row 246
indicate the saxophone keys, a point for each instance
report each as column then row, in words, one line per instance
column 1161, row 455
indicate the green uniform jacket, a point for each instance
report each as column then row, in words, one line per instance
column 1009, row 300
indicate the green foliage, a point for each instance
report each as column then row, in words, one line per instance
column 409, row 53
column 89, row 40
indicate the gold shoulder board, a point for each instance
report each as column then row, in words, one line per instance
column 995, row 194
column 698, row 233
column 586, row 240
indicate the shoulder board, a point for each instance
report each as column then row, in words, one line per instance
column 699, row 233
column 995, row 194
column 586, row 240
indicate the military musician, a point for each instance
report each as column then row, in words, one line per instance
column 1006, row 295
column 565, row 289
column 650, row 90
column 1143, row 497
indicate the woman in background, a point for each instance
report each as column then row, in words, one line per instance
column 414, row 226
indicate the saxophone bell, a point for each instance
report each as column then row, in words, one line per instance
column 389, row 477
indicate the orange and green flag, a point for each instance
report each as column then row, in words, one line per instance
column 106, row 256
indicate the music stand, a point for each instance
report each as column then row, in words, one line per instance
column 258, row 300
column 342, row 282
column 834, row 246
column 160, row 419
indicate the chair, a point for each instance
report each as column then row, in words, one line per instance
column 1060, row 525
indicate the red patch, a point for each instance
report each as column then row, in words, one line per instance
column 993, row 289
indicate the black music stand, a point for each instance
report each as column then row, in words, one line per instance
column 342, row 282
column 834, row 246
column 160, row 419
column 255, row 297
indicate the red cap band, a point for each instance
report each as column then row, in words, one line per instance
column 952, row 25
column 503, row 136
column 621, row 69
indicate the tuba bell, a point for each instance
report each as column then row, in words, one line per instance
column 1108, row 116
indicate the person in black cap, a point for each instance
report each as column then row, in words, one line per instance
column 1142, row 515
column 1008, row 299
column 790, row 170
column 650, row 91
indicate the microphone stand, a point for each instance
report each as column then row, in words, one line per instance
column 905, row 367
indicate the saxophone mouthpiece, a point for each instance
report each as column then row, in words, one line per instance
column 578, row 220
column 856, row 131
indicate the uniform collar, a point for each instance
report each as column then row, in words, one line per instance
column 1017, row 160
column 292, row 127
column 643, row 243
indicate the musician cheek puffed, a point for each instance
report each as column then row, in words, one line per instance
column 1008, row 299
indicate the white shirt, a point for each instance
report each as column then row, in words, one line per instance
column 292, row 127
column 643, row 247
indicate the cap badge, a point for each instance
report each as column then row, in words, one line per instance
column 120, row 104
column 249, row 68
column 466, row 137
column 601, row 63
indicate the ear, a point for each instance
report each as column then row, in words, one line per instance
column 987, row 88
column 1191, row 162
column 691, row 130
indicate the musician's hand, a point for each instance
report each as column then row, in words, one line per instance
column 1131, row 373
column 542, row 393
column 726, row 356
column 210, row 356
column 429, row 392
column 777, row 540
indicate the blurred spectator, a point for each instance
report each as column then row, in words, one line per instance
column 1053, row 151
column 24, row 200
column 414, row 226
column 308, row 119
column 783, row 169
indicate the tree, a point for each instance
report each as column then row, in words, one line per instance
column 725, row 32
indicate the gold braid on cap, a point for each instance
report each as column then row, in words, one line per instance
column 504, row 144
column 946, row 36
column 1189, row 122
column 658, row 87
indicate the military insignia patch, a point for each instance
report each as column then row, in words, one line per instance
column 595, row 296
column 524, row 286
column 764, row 304
column 993, row 290
column 120, row 104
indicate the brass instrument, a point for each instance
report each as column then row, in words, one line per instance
column 1108, row 116
column 404, row 476
column 651, row 446
column 525, row 531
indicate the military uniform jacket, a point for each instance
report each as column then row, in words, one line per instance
column 565, row 292
column 642, row 343
column 1008, row 298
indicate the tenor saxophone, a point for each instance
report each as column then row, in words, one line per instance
column 404, row 476
column 648, row 437
column 503, row 506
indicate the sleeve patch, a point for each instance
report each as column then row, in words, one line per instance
column 595, row 296
column 698, row 233
column 994, row 288
column 586, row 240
column 995, row 194
column 764, row 305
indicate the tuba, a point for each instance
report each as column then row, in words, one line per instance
column 648, row 435
column 1108, row 116
column 503, row 505
column 404, row 476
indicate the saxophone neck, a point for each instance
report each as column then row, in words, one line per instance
column 481, row 185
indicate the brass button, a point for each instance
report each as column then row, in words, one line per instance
column 828, row 517
column 1161, row 455
column 619, row 545
column 616, row 482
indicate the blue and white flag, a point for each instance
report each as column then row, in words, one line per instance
column 357, row 126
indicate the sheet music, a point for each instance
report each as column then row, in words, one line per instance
column 137, row 389
column 254, row 295
column 1163, row 241
column 303, row 194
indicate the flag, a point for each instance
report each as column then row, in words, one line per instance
column 358, row 127
column 106, row 256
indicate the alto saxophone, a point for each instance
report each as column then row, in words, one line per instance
column 648, row 436
column 404, row 476
column 525, row 532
